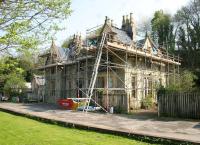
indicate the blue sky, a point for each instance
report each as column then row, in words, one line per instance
column 89, row 13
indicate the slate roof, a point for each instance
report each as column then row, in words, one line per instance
column 122, row 35
column 140, row 43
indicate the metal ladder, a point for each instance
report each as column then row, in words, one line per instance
column 89, row 92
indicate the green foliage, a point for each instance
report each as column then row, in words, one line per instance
column 162, row 30
column 26, row 24
column 183, row 83
column 187, row 81
column 9, row 65
column 12, row 69
column 26, row 62
column 188, row 34
column 14, row 85
column 147, row 102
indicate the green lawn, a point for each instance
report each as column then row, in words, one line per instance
column 16, row 130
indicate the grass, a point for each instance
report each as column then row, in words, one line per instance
column 17, row 130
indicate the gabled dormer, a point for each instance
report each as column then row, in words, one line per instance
column 147, row 45
column 53, row 55
column 115, row 34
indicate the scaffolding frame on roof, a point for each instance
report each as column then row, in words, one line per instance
column 113, row 48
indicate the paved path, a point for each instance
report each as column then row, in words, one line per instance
column 151, row 126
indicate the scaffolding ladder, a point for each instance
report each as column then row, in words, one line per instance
column 89, row 92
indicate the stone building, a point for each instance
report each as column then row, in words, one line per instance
column 129, row 71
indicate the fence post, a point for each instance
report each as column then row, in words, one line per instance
column 158, row 99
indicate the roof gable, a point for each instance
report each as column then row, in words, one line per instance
column 119, row 34
column 149, row 46
column 57, row 54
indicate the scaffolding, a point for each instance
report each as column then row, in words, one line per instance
column 116, row 66
column 123, row 53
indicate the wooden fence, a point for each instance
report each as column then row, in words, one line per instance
column 181, row 105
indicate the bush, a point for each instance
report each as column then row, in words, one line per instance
column 185, row 82
column 15, row 85
column 147, row 102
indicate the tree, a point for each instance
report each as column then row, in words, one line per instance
column 24, row 24
column 185, row 82
column 188, row 37
column 9, row 66
column 162, row 30
column 14, row 85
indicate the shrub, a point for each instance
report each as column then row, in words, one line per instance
column 185, row 82
column 15, row 85
column 147, row 102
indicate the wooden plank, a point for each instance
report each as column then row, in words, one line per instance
column 183, row 105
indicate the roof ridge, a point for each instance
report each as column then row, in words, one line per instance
column 118, row 28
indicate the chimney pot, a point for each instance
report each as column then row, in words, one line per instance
column 123, row 22
column 131, row 17
column 127, row 20
column 112, row 23
column 106, row 19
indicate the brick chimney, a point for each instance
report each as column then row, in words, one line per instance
column 123, row 23
column 128, row 25
column 127, row 20
column 112, row 24
column 132, row 27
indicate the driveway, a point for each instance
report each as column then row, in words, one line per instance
column 150, row 125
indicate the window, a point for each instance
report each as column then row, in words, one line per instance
column 160, row 81
column 53, row 92
column 69, row 84
column 133, row 87
column 100, row 82
column 52, row 87
column 122, row 99
column 80, row 66
column 66, row 69
column 52, row 70
column 147, row 86
column 80, row 83
column 110, row 82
